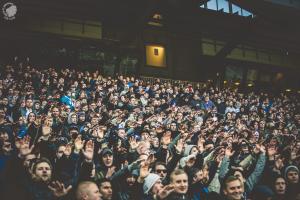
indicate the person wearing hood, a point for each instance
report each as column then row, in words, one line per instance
column 106, row 167
column 292, row 176
column 124, row 182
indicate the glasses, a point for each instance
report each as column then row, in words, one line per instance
column 161, row 171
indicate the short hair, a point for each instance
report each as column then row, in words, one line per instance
column 103, row 180
column 176, row 173
column 82, row 188
column 160, row 163
column 41, row 160
column 230, row 179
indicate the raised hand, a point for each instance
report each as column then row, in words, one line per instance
column 23, row 146
column 144, row 170
column 133, row 143
column 190, row 160
column 256, row 150
column 59, row 189
column 110, row 171
column 229, row 152
column 179, row 146
column 165, row 191
column 262, row 149
column 78, row 143
column 200, row 144
column 89, row 150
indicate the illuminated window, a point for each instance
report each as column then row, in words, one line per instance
column 236, row 9
column 223, row 4
column 157, row 16
column 155, row 56
column 212, row 5
column 155, row 51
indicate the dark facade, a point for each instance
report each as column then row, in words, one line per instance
column 232, row 42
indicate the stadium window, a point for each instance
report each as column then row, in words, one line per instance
column 236, row 9
column 212, row 5
column 223, row 4
column 246, row 13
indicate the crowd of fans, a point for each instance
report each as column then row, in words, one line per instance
column 71, row 134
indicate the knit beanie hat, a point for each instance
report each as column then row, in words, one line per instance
column 150, row 180
column 290, row 168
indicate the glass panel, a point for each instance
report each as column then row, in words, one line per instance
column 246, row 13
column 223, row 4
column 236, row 9
column 212, row 4
column 233, row 73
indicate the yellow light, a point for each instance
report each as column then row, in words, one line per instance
column 288, row 90
column 236, row 83
column 250, row 85
column 299, row 91
column 225, row 82
column 156, row 56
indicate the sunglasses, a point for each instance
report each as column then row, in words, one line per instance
column 161, row 170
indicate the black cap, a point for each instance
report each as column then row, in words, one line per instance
column 106, row 151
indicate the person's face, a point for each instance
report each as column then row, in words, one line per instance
column 293, row 176
column 93, row 106
column 74, row 119
column 161, row 171
column 37, row 106
column 157, row 187
column 106, row 190
column 280, row 186
column 60, row 151
column 198, row 176
column 173, row 127
column 130, row 181
column 49, row 122
column 31, row 117
column 55, row 112
column 145, row 135
column 5, row 101
column 180, row 183
column 108, row 160
column 29, row 103
column 43, row 172
column 155, row 142
column 122, row 133
column 233, row 190
column 194, row 151
column 82, row 118
column 94, row 121
column 4, row 136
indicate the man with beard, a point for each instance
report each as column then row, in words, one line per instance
column 40, row 187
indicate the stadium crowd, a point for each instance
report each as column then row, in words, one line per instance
column 71, row 134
